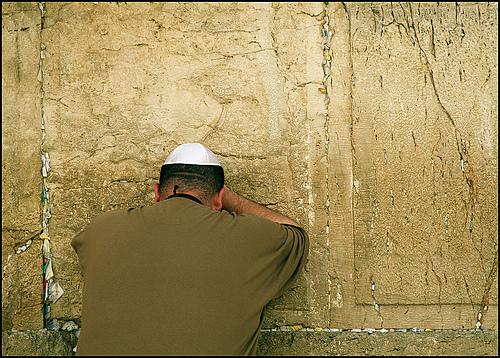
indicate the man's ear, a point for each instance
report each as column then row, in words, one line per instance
column 217, row 202
column 156, row 189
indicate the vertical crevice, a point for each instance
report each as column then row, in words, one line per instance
column 44, row 236
column 326, row 87
column 354, row 182
column 51, row 289
column 485, row 301
column 375, row 304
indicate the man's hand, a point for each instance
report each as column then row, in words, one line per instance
column 233, row 202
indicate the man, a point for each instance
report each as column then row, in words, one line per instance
column 190, row 274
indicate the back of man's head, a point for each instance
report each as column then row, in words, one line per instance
column 192, row 167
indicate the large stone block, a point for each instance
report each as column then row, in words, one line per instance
column 21, row 134
column 346, row 343
column 423, row 159
column 301, row 343
column 421, row 97
column 125, row 83
column 22, row 288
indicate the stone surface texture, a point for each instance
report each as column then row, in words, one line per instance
column 438, row 343
column 374, row 125
column 22, row 291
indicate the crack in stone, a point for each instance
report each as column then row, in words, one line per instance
column 214, row 127
column 231, row 55
column 127, row 181
column 468, row 291
column 313, row 15
column 241, row 156
column 22, row 247
column 440, row 282
column 466, row 167
column 353, row 149
column 375, row 304
column 486, row 296
column 326, row 65
column 45, row 163
column 52, row 290
column 286, row 81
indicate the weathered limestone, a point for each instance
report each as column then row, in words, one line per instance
column 419, row 166
column 374, row 125
column 108, row 135
column 22, row 286
column 38, row 343
column 419, row 83
column 458, row 343
column 22, row 290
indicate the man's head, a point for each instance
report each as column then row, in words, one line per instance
column 192, row 169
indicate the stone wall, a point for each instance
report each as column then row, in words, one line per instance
column 372, row 124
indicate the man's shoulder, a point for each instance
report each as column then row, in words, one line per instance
column 112, row 215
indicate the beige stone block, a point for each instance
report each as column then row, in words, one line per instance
column 424, row 239
column 346, row 343
column 22, row 282
column 21, row 134
column 22, row 288
column 126, row 83
column 422, row 173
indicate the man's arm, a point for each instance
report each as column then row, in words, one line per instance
column 233, row 202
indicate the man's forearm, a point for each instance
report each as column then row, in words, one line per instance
column 240, row 205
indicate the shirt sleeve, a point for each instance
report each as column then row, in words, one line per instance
column 291, row 257
column 276, row 252
column 82, row 242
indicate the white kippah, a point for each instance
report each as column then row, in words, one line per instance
column 192, row 153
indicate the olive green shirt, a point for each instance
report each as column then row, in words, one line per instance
column 178, row 278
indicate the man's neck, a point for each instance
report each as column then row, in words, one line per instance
column 185, row 195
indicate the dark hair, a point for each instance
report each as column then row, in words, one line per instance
column 208, row 180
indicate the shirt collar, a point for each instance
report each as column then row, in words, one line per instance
column 187, row 196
